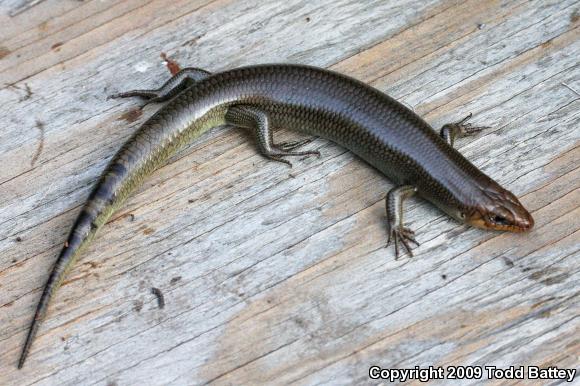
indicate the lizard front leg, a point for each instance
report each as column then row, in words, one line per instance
column 451, row 131
column 397, row 231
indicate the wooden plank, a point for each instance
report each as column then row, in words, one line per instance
column 278, row 275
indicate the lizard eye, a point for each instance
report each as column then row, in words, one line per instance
column 500, row 220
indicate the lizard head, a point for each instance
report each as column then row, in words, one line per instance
column 501, row 211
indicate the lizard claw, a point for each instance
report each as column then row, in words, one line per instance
column 466, row 129
column 291, row 145
column 405, row 236
column 280, row 159
column 277, row 155
column 120, row 95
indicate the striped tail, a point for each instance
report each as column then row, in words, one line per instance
column 109, row 193
column 83, row 230
column 144, row 152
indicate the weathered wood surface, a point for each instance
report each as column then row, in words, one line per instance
column 271, row 274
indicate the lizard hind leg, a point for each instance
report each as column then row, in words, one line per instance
column 185, row 78
column 257, row 120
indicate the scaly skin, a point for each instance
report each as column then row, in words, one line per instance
column 377, row 128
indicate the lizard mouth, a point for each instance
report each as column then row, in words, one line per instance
column 508, row 216
column 499, row 223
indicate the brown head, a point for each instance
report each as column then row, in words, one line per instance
column 501, row 211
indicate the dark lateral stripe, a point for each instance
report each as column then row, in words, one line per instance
column 104, row 190
column 84, row 218
column 78, row 232
column 118, row 169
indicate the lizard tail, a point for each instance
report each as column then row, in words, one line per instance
column 98, row 208
column 82, row 231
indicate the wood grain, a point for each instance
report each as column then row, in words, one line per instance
column 273, row 275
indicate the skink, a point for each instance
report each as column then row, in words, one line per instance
column 314, row 101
